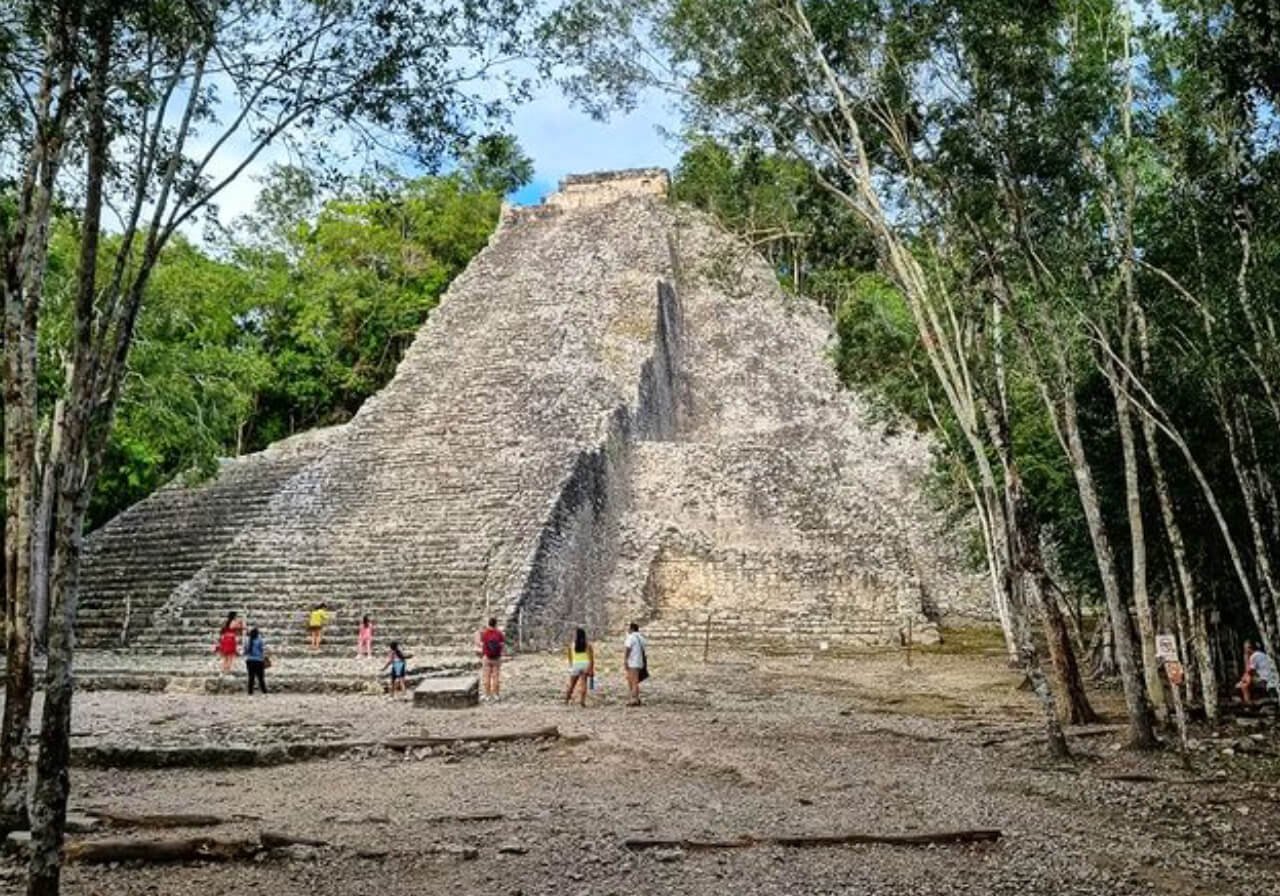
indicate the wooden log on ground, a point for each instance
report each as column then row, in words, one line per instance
column 196, row 849
column 277, row 840
column 439, row 740
column 129, row 820
column 110, row 756
column 974, row 835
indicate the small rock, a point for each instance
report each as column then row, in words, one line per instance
column 372, row 853
column 18, row 842
column 512, row 849
column 297, row 852
column 82, row 824
column 669, row 855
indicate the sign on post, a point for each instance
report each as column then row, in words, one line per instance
column 1167, row 648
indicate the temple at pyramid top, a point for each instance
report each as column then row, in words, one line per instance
column 614, row 414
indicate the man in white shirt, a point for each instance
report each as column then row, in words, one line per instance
column 1259, row 674
column 634, row 662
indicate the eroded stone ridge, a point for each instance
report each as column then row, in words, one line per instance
column 615, row 413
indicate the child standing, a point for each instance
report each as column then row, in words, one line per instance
column 364, row 640
column 316, row 621
column 398, row 663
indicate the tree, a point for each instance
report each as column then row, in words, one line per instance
column 160, row 106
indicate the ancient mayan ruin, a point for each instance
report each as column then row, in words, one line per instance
column 614, row 414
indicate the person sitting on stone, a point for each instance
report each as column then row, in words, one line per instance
column 582, row 666
column 1260, row 678
column 317, row 619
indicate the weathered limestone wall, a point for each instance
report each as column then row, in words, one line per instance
column 578, row 549
column 614, row 414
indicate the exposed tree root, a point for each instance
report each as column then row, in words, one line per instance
column 128, row 820
column 439, row 740
column 976, row 835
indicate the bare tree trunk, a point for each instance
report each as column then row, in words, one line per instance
column 1141, row 733
column 53, row 780
column 74, row 480
column 19, row 449
column 1138, row 548
column 23, row 282
column 42, row 539
column 1206, row 671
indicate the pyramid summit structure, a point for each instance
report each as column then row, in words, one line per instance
column 614, row 414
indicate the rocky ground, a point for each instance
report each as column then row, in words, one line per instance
column 759, row 746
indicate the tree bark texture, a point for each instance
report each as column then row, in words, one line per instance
column 1141, row 732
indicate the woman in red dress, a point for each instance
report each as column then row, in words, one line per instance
column 229, row 641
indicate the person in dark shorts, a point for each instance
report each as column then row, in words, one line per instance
column 491, row 643
column 255, row 660
column 398, row 663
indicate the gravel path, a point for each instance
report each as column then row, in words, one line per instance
column 766, row 746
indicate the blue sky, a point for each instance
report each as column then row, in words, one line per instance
column 559, row 138
column 562, row 140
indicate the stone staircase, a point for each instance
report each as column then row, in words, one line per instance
column 425, row 510
column 614, row 414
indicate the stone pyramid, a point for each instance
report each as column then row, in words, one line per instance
column 615, row 413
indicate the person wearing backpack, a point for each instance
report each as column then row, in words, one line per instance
column 491, row 643
column 635, row 662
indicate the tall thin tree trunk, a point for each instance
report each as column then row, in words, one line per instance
column 53, row 781
column 1207, row 674
column 74, row 475
column 1141, row 733
column 42, row 539
column 19, row 449
column 1138, row 547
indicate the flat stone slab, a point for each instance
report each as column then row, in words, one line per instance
column 458, row 692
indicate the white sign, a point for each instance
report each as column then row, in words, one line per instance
column 1167, row 648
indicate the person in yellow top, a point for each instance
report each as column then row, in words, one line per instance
column 317, row 619
column 582, row 666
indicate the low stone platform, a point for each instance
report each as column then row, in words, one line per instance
column 291, row 672
column 457, row 692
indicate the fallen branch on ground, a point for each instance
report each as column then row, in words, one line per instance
column 197, row 849
column 438, row 740
column 193, row 849
column 977, row 835
column 108, row 756
column 128, row 820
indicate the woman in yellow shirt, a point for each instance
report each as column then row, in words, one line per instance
column 582, row 666
column 316, row 621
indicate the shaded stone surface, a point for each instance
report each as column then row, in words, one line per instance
column 614, row 414
column 447, row 693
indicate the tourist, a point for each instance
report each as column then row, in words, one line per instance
column 364, row 640
column 1259, row 675
column 635, row 662
column 317, row 619
column 256, row 660
column 582, row 666
column 228, row 645
column 398, row 663
column 490, row 644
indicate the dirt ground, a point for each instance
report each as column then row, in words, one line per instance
column 758, row 745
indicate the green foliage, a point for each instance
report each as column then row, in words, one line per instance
column 337, row 308
column 1012, row 156
column 293, row 324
